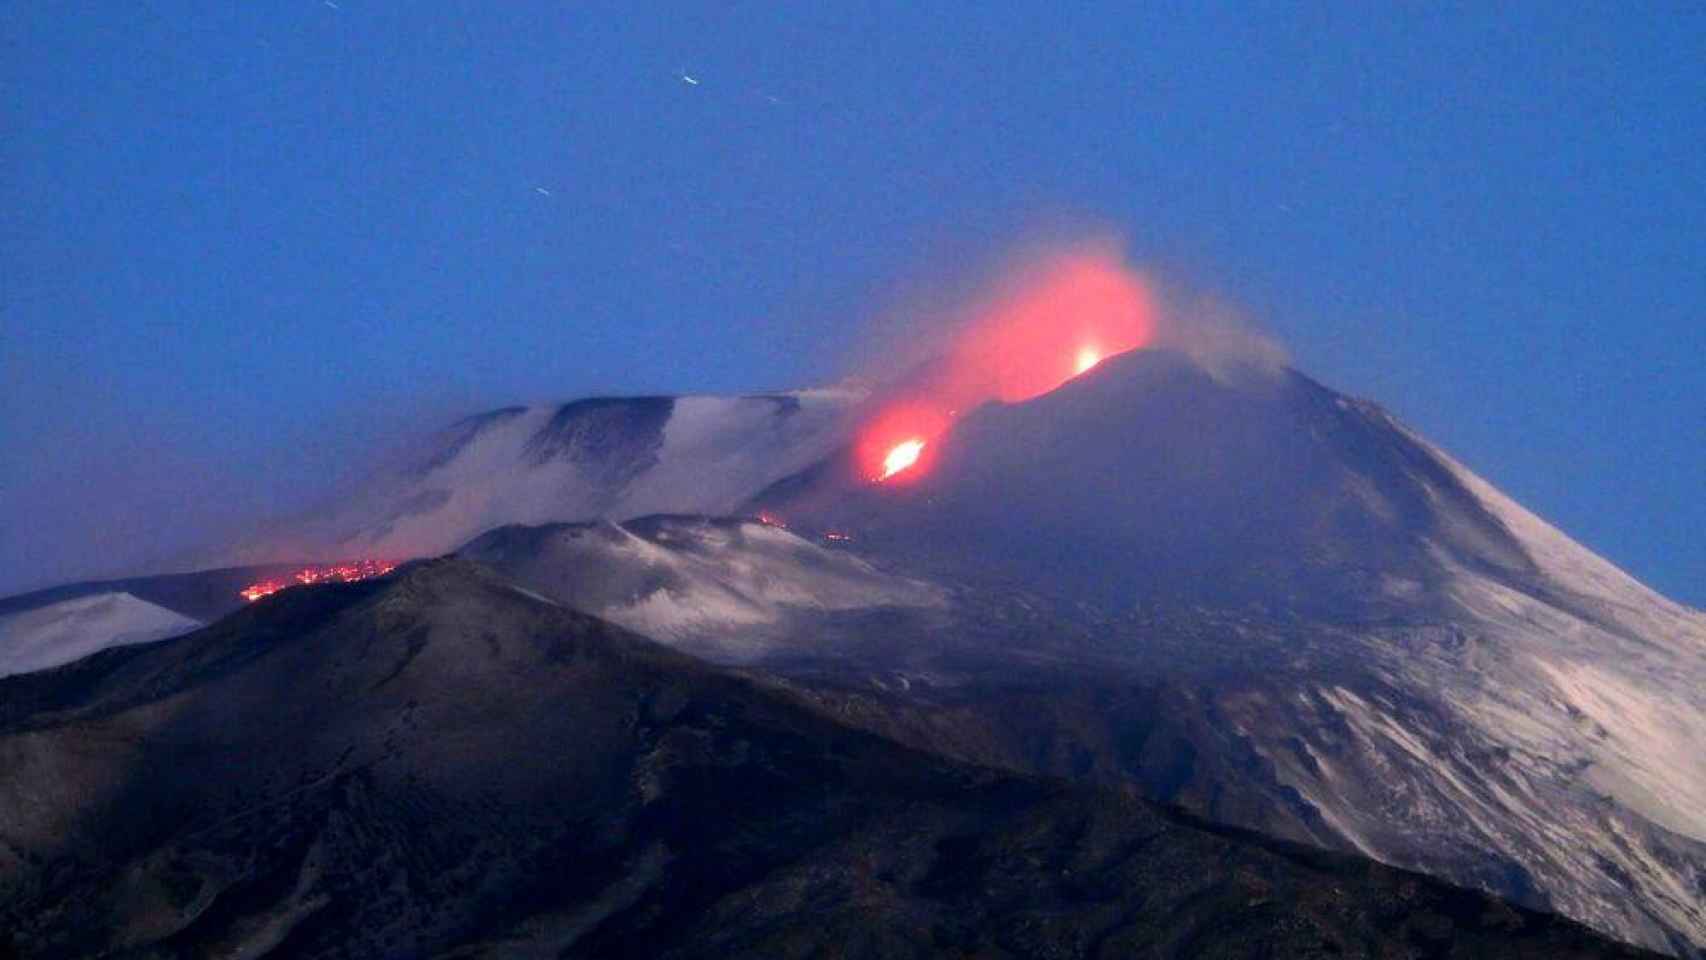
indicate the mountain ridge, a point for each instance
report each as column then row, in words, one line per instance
column 665, row 803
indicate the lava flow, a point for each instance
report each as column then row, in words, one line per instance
column 333, row 573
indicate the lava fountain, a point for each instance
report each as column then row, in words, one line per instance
column 903, row 456
column 896, row 443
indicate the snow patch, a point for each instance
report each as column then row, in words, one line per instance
column 1646, row 746
column 58, row 633
column 713, row 455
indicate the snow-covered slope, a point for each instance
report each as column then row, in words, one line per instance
column 731, row 589
column 597, row 458
column 59, row 633
column 1592, row 687
column 1515, row 745
column 1612, row 653
column 1581, row 578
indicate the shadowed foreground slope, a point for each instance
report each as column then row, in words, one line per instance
column 441, row 765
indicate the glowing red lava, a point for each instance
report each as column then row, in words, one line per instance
column 1056, row 320
column 1049, row 322
column 333, row 573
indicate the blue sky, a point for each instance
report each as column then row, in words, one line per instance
column 243, row 242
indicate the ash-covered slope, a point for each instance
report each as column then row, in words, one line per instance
column 441, row 765
column 1351, row 638
column 591, row 459
column 731, row 589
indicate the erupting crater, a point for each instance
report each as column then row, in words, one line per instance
column 1050, row 321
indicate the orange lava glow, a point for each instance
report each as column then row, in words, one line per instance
column 1050, row 321
column 1057, row 319
column 333, row 573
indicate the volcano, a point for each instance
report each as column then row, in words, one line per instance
column 1278, row 605
column 1225, row 586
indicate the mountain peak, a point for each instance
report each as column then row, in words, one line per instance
column 1150, row 474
